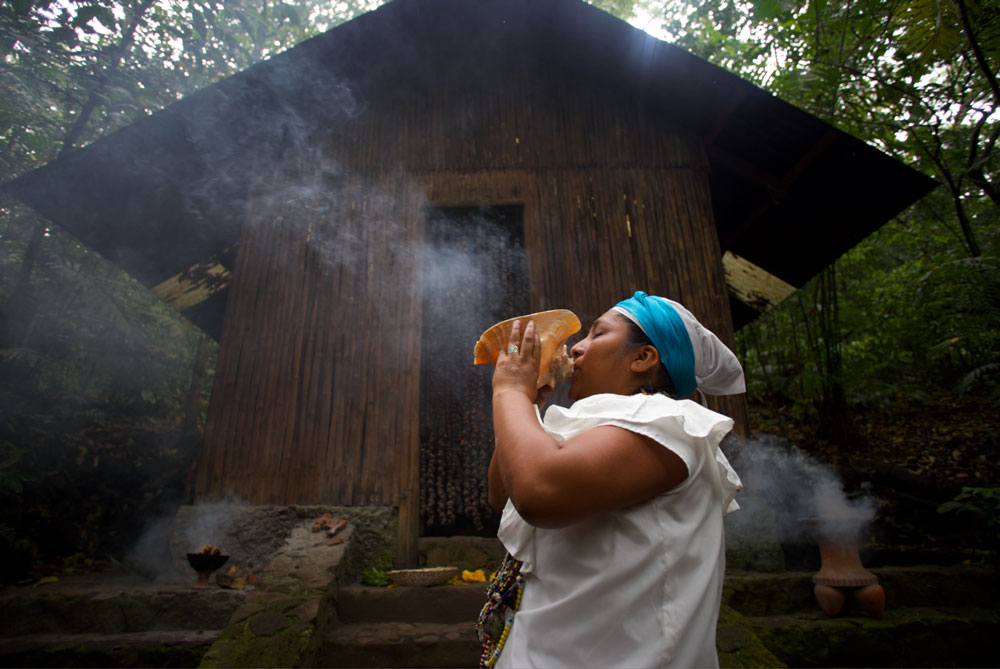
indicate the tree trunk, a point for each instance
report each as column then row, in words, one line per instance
column 835, row 421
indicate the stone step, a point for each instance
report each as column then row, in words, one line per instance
column 399, row 644
column 115, row 611
column 958, row 586
column 763, row 594
column 750, row 593
column 904, row 637
column 942, row 607
column 435, row 604
column 159, row 648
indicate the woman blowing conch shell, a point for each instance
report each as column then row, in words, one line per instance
column 553, row 328
column 613, row 507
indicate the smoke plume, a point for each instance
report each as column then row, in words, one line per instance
column 803, row 493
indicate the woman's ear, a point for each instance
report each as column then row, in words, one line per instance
column 644, row 359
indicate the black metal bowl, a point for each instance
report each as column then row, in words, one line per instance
column 206, row 561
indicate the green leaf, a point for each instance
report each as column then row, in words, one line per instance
column 766, row 10
column 623, row 9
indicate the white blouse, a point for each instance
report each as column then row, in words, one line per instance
column 633, row 588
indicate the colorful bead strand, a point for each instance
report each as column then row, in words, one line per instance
column 503, row 598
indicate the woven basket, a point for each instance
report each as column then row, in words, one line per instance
column 428, row 576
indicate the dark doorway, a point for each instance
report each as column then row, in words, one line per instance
column 475, row 274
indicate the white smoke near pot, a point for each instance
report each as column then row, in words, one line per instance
column 807, row 497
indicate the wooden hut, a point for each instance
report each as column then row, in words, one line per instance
column 346, row 217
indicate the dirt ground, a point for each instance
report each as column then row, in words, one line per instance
column 950, row 442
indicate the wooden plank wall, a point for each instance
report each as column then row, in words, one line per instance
column 316, row 389
column 318, row 349
column 522, row 123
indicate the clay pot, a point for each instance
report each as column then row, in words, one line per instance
column 842, row 577
column 831, row 600
column 871, row 599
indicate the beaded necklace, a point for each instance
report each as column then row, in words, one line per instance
column 503, row 598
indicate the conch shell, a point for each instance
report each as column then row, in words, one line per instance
column 553, row 327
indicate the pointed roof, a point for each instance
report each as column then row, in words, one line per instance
column 791, row 193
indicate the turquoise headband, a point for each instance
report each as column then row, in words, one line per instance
column 664, row 327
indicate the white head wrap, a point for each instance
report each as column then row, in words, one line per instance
column 717, row 370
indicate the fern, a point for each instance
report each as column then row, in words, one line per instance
column 931, row 29
column 978, row 375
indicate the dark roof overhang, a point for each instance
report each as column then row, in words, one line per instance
column 791, row 193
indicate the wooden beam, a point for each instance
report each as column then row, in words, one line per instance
column 193, row 286
column 753, row 285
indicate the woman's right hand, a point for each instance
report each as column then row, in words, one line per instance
column 518, row 372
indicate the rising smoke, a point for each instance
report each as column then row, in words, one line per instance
column 797, row 488
column 166, row 538
column 474, row 274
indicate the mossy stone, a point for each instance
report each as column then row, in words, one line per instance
column 737, row 644
column 283, row 649
column 268, row 622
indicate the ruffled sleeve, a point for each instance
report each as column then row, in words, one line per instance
column 684, row 427
column 518, row 537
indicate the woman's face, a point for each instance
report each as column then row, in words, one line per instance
column 600, row 361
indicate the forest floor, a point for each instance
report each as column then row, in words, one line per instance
column 914, row 457
column 950, row 441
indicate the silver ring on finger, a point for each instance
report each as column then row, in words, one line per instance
column 513, row 348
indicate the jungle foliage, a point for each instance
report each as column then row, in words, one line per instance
column 102, row 386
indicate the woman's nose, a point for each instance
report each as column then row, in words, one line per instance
column 577, row 350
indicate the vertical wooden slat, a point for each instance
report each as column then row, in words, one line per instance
column 408, row 378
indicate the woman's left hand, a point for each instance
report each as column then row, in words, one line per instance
column 518, row 371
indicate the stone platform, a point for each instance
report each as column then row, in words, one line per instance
column 308, row 609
